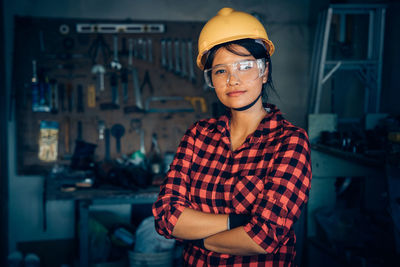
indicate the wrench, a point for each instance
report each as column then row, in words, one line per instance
column 150, row 50
column 192, row 75
column 163, row 53
column 130, row 52
column 169, row 52
column 115, row 63
column 114, row 88
column 136, row 86
column 177, row 57
column 143, row 52
column 124, row 82
column 183, row 59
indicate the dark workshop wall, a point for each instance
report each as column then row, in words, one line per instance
column 3, row 149
column 287, row 25
column 391, row 67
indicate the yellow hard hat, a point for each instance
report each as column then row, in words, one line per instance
column 230, row 25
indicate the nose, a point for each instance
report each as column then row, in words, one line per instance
column 233, row 79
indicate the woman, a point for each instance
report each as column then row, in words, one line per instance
column 238, row 182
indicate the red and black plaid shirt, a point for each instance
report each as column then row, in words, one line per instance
column 268, row 176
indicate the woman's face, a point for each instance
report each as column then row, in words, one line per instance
column 237, row 92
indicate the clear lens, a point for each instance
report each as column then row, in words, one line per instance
column 245, row 71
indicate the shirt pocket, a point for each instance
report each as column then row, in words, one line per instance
column 245, row 193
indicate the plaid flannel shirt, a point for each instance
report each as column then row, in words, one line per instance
column 268, row 176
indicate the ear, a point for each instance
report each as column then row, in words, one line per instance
column 265, row 75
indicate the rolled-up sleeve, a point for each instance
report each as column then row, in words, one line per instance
column 174, row 194
column 286, row 190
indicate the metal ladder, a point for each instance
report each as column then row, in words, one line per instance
column 369, row 70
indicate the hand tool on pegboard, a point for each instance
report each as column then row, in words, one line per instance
column 99, row 48
column 107, row 144
column 115, row 64
column 91, row 96
column 183, row 53
column 53, row 96
column 192, row 75
column 177, row 57
column 35, row 87
column 117, row 131
column 138, row 107
column 143, row 48
column 169, row 56
column 114, row 88
column 150, row 50
column 101, row 126
column 164, row 63
column 136, row 125
column 124, row 84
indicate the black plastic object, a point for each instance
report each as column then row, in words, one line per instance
column 83, row 156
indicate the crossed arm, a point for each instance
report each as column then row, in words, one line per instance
column 213, row 228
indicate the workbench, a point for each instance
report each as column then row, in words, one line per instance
column 86, row 197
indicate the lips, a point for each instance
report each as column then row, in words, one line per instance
column 235, row 93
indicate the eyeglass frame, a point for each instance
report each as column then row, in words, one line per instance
column 260, row 62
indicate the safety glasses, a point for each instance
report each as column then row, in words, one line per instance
column 244, row 70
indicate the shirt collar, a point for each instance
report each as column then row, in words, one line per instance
column 269, row 127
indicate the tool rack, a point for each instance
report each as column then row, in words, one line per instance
column 72, row 56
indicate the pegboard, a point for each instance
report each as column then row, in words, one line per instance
column 65, row 52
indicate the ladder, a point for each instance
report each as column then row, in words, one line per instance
column 368, row 69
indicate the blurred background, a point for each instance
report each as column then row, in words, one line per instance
column 95, row 96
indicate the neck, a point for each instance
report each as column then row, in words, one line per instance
column 248, row 120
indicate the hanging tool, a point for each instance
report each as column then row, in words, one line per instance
column 143, row 51
column 146, row 80
column 54, row 96
column 101, row 127
column 99, row 71
column 91, row 96
column 114, row 88
column 192, row 75
column 136, row 125
column 164, row 53
column 130, row 52
column 115, row 64
column 118, row 130
column 183, row 52
column 177, row 57
column 107, row 144
column 169, row 56
column 150, row 50
column 138, row 107
column 34, row 87
column 124, row 83
column 99, row 46
column 135, row 48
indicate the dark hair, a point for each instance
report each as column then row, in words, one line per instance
column 255, row 49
